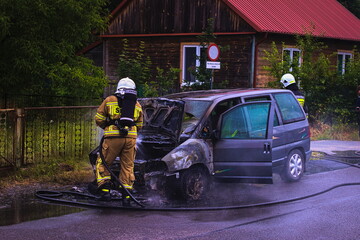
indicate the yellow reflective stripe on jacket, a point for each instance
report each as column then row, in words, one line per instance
column 137, row 112
column 111, row 132
column 114, row 109
column 100, row 117
column 132, row 132
column 301, row 100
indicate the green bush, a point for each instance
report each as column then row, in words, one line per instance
column 330, row 96
column 135, row 65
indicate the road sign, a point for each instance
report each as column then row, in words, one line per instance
column 213, row 52
column 212, row 65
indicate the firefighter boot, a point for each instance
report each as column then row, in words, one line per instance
column 104, row 191
column 126, row 201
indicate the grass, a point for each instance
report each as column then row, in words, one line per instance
column 54, row 171
column 321, row 131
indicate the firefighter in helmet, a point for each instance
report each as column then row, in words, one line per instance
column 120, row 115
column 288, row 82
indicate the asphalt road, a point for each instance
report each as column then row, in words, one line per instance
column 331, row 215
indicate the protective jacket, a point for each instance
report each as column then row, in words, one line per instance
column 110, row 110
column 116, row 143
column 299, row 95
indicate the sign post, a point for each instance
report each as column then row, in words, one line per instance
column 213, row 53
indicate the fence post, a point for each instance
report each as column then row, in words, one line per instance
column 18, row 144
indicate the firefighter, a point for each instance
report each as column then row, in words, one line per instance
column 288, row 82
column 120, row 115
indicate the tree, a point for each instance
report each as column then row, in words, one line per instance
column 38, row 44
column 352, row 5
column 329, row 95
column 134, row 63
column 201, row 73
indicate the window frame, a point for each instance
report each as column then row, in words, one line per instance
column 183, row 63
column 292, row 50
column 343, row 53
column 249, row 126
column 294, row 105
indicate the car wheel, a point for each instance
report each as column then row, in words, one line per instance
column 194, row 184
column 294, row 166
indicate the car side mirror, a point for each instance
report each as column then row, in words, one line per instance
column 205, row 132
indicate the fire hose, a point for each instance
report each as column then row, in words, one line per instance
column 55, row 196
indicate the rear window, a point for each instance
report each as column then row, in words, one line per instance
column 290, row 108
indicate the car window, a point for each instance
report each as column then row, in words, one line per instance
column 196, row 108
column 246, row 122
column 194, row 111
column 289, row 107
column 263, row 98
column 220, row 108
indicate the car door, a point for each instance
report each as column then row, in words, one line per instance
column 243, row 146
column 279, row 134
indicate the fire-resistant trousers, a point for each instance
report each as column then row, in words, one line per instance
column 125, row 149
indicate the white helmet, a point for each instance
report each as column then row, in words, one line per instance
column 125, row 83
column 287, row 79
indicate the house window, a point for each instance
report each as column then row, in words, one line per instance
column 190, row 61
column 293, row 56
column 343, row 60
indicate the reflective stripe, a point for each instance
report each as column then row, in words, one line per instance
column 105, row 190
column 301, row 101
column 137, row 112
column 99, row 116
column 117, row 132
column 127, row 186
column 126, row 118
column 99, row 179
column 132, row 132
column 113, row 132
column 111, row 103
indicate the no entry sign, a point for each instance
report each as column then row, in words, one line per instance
column 213, row 52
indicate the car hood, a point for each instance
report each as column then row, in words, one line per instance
column 162, row 117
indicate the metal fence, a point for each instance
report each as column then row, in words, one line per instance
column 35, row 134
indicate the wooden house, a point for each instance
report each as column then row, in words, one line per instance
column 169, row 30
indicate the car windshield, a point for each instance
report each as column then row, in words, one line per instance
column 194, row 110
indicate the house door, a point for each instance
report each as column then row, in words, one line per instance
column 243, row 149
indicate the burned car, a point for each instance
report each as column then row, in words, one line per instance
column 236, row 135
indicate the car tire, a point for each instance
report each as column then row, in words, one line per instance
column 194, row 184
column 294, row 166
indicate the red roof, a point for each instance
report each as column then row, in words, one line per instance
column 330, row 18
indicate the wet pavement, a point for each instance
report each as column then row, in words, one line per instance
column 333, row 147
column 322, row 173
column 330, row 215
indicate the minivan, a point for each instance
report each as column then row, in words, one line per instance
column 190, row 139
